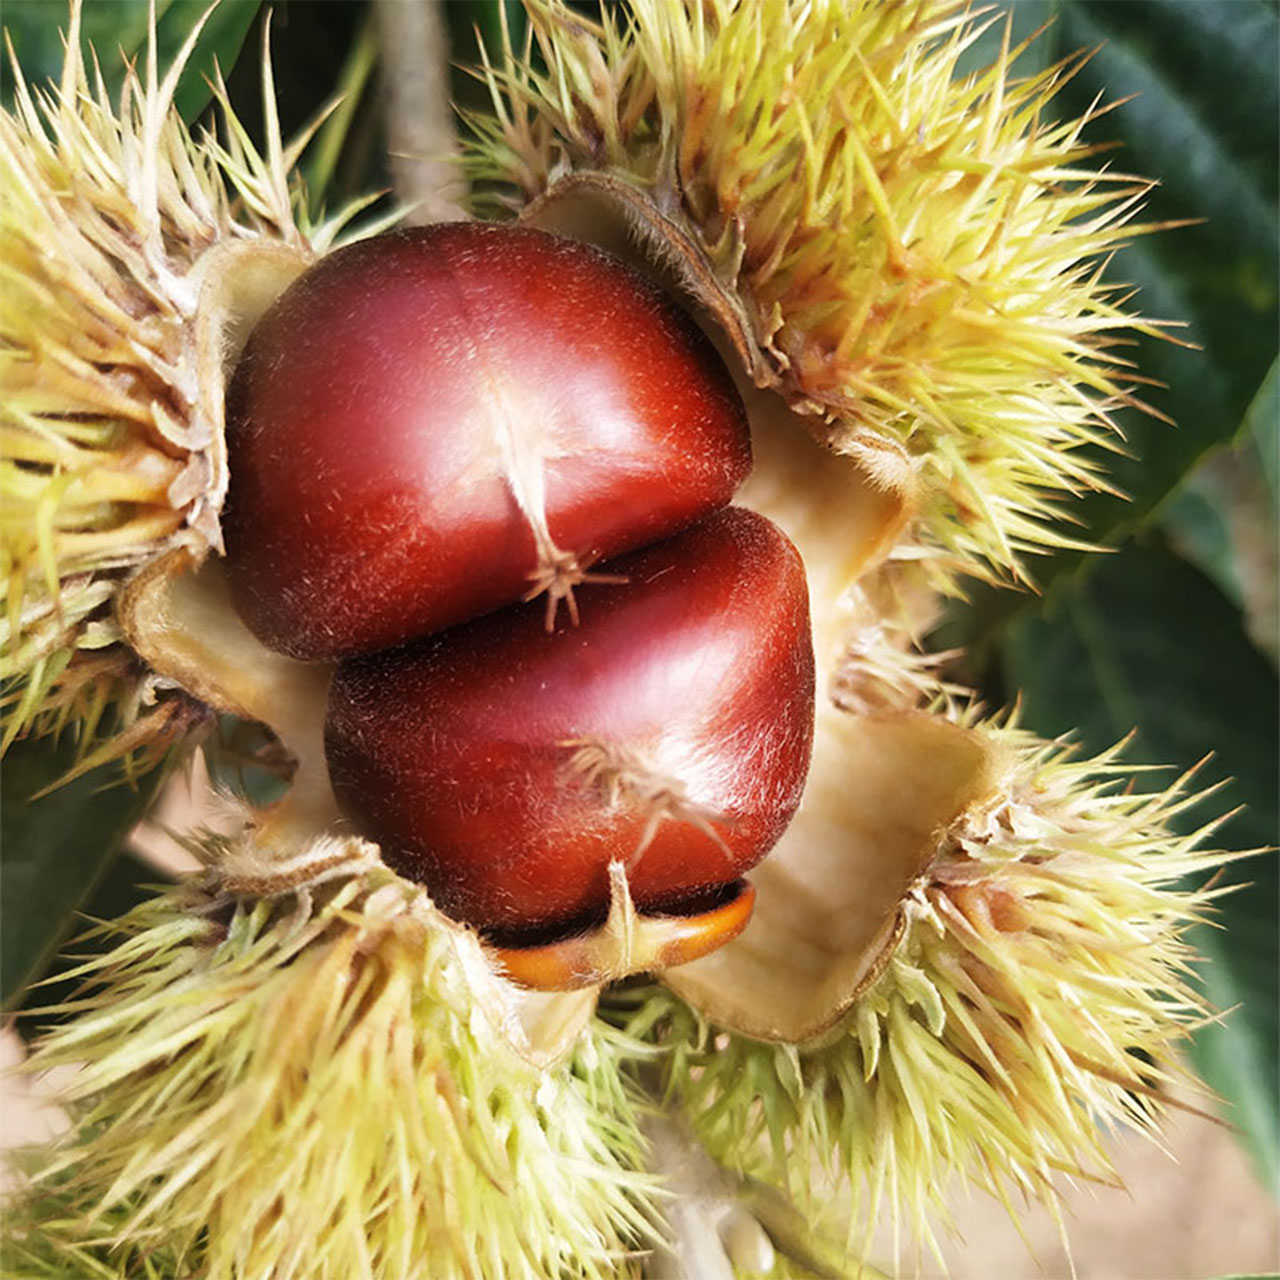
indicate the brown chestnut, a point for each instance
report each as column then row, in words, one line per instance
column 506, row 767
column 435, row 422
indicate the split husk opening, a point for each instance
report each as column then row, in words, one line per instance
column 827, row 899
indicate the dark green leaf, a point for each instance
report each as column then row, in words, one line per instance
column 1197, row 522
column 1262, row 429
column 1211, row 139
column 1224, row 517
column 54, row 852
column 1146, row 641
column 117, row 29
column 126, row 882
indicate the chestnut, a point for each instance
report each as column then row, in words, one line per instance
column 433, row 423
column 506, row 767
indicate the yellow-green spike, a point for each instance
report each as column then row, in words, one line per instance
column 1037, row 999
column 108, row 456
column 917, row 247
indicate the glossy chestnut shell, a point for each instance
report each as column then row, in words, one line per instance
column 433, row 423
column 506, row 767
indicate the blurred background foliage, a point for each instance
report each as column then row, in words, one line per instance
column 1173, row 633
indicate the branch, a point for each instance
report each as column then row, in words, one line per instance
column 421, row 137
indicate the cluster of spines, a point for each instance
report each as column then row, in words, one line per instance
column 1037, row 998
column 920, row 251
column 107, row 454
column 315, row 1087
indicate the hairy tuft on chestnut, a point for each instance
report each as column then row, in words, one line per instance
column 436, row 422
column 506, row 767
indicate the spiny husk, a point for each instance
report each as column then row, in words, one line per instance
column 1034, row 1000
column 111, row 447
column 916, row 252
column 318, row 1087
column 48, row 1243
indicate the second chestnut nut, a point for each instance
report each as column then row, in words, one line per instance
column 429, row 426
column 505, row 767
